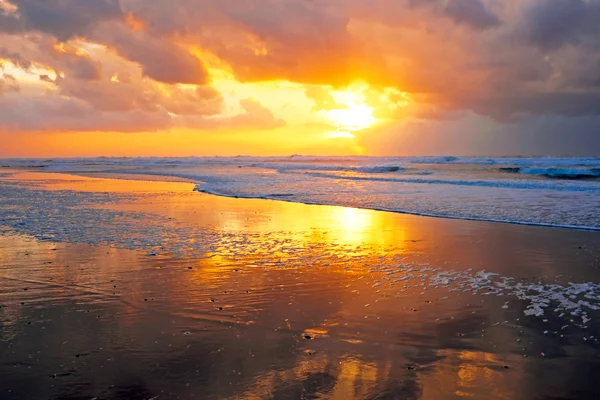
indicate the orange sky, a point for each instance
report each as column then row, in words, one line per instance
column 264, row 77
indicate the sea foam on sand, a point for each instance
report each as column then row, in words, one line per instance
column 77, row 217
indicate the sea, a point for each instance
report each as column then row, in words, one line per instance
column 548, row 191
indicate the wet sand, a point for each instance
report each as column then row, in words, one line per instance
column 206, row 297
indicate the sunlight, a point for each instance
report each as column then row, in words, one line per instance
column 339, row 135
column 355, row 114
column 7, row 7
column 31, row 76
column 353, row 118
column 354, row 225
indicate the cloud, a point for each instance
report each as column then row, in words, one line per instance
column 63, row 19
column 506, row 107
column 160, row 59
column 472, row 13
column 15, row 58
column 552, row 24
column 8, row 84
column 141, row 94
column 503, row 59
column 469, row 134
column 322, row 98
column 45, row 52
column 253, row 116
column 103, row 21
column 59, row 113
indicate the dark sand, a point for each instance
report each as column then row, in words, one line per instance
column 290, row 302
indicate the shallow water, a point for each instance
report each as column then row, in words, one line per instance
column 154, row 291
column 546, row 191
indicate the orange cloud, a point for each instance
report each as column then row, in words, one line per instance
column 178, row 64
column 134, row 23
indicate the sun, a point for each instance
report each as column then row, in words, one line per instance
column 353, row 113
column 339, row 134
column 354, row 118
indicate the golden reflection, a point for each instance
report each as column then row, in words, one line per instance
column 57, row 181
column 355, row 225
column 277, row 274
column 340, row 225
column 466, row 373
column 355, row 379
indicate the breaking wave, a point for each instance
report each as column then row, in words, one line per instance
column 558, row 173
column 550, row 191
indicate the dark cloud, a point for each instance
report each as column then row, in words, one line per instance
column 15, row 58
column 472, row 13
column 46, row 78
column 64, row 19
column 507, row 107
column 161, row 60
column 470, row 134
column 79, row 66
column 9, row 23
column 420, row 3
column 552, row 24
column 102, row 21
column 45, row 53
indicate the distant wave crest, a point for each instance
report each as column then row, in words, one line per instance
column 373, row 169
column 557, row 173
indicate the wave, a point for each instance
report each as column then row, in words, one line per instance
column 490, row 183
column 473, row 190
column 557, row 173
column 377, row 169
column 287, row 167
column 510, row 161
column 351, row 163
column 529, row 184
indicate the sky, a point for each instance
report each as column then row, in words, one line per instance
column 322, row 77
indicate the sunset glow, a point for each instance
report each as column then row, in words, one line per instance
column 353, row 114
column 299, row 199
column 285, row 74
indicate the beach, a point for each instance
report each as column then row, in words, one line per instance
column 145, row 289
column 299, row 199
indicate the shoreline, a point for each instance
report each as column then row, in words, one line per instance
column 175, row 178
column 404, row 212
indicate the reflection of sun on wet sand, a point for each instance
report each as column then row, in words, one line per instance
column 228, row 298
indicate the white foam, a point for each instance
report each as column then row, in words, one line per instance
column 453, row 187
column 564, row 173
